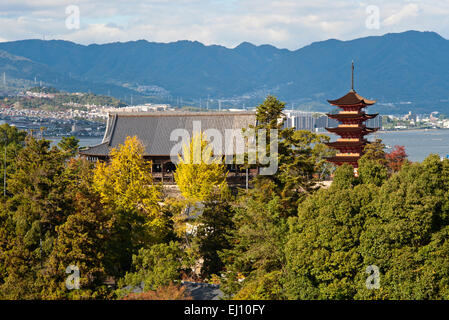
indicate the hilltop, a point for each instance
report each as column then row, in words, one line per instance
column 403, row 71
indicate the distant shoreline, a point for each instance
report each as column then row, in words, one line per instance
column 404, row 130
column 413, row 130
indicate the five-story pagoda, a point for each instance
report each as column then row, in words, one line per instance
column 352, row 129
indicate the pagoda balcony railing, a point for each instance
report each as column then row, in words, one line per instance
column 349, row 140
column 345, row 112
column 349, row 125
column 349, row 112
column 347, row 154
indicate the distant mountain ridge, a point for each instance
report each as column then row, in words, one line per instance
column 403, row 71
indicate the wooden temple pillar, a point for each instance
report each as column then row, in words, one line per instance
column 162, row 171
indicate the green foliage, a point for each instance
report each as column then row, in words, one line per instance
column 81, row 241
column 56, row 215
column 14, row 140
column 401, row 226
column 373, row 165
column 375, row 151
column 154, row 267
column 269, row 113
column 212, row 235
column 372, row 171
column 69, row 145
column 39, row 201
column 257, row 243
column 322, row 252
column 266, row 286
column 261, row 215
column 344, row 177
column 300, row 155
column 12, row 136
column 407, row 236
column 282, row 239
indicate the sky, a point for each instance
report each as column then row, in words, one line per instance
column 289, row 24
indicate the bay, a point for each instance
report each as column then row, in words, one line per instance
column 83, row 141
column 418, row 143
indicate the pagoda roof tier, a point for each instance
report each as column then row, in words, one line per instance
column 343, row 159
column 356, row 130
column 349, row 144
column 350, row 116
column 352, row 98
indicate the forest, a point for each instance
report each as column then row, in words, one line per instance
column 286, row 237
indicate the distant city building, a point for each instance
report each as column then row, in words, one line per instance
column 434, row 116
column 39, row 95
column 410, row 116
column 375, row 122
column 148, row 107
column 302, row 120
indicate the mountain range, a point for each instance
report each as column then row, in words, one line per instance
column 402, row 71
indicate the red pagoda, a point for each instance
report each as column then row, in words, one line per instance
column 351, row 129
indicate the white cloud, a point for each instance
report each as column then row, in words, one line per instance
column 283, row 23
column 410, row 10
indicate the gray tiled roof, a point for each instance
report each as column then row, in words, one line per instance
column 198, row 291
column 154, row 128
column 203, row 291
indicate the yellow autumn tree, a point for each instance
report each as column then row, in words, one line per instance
column 126, row 186
column 199, row 175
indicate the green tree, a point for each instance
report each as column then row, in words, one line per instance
column 344, row 177
column 300, row 156
column 69, row 145
column 269, row 113
column 14, row 140
column 36, row 206
column 257, row 249
column 212, row 235
column 407, row 236
column 322, row 252
column 373, row 165
column 375, row 151
column 153, row 268
column 81, row 240
column 261, row 214
column 372, row 171
column 400, row 226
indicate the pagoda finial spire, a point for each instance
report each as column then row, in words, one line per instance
column 352, row 76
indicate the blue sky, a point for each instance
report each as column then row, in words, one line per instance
column 283, row 23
